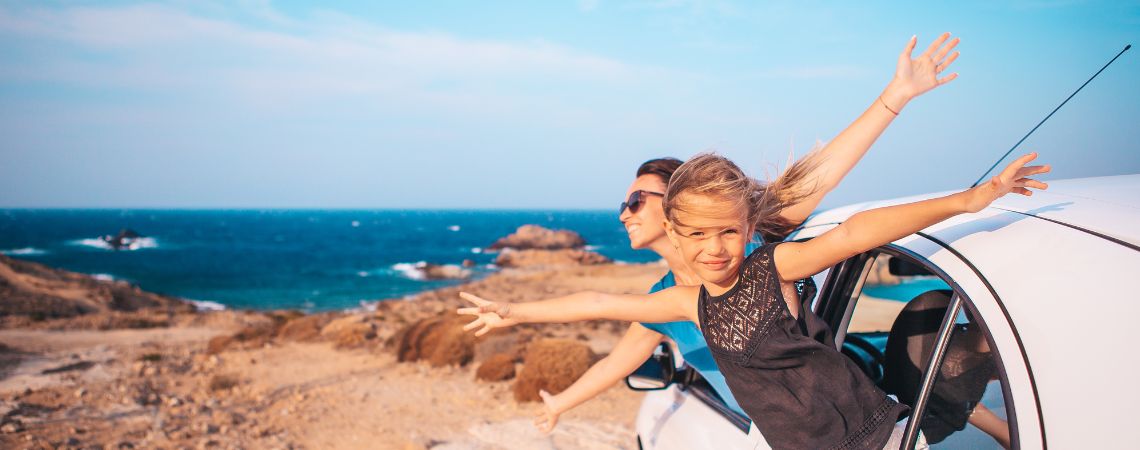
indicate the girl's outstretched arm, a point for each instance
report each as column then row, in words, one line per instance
column 872, row 228
column 631, row 351
column 913, row 77
column 668, row 305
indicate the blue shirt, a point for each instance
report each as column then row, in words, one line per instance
column 693, row 348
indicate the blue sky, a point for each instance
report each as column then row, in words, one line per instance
column 260, row 104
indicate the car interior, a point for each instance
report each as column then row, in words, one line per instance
column 890, row 323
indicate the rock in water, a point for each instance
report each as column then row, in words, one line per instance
column 536, row 237
column 549, row 258
column 443, row 271
column 552, row 365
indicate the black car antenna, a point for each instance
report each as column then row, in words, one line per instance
column 1126, row 47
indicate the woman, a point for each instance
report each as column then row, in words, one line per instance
column 644, row 219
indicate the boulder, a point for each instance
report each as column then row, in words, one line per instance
column 549, row 258
column 500, row 367
column 551, row 365
column 536, row 237
column 42, row 292
column 443, row 271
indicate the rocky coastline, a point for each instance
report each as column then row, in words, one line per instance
column 89, row 363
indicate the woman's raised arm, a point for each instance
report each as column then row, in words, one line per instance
column 872, row 228
column 913, row 77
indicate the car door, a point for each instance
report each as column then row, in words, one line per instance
column 689, row 414
column 966, row 397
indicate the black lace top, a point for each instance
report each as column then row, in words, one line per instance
column 786, row 373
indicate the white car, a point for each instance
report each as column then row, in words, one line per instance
column 1045, row 280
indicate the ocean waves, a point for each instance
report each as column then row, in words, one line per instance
column 26, row 251
column 101, row 244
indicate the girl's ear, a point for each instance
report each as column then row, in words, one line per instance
column 672, row 234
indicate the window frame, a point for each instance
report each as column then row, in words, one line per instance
column 838, row 299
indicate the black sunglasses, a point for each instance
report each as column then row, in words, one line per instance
column 635, row 201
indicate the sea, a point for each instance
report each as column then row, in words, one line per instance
column 310, row 260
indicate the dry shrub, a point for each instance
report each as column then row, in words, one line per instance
column 223, row 382
column 500, row 367
column 440, row 340
column 249, row 337
column 218, row 344
column 305, row 328
column 552, row 365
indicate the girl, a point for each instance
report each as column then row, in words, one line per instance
column 799, row 392
column 643, row 217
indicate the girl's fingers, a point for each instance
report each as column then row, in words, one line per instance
column 944, row 64
column 1011, row 171
column 937, row 43
column 486, row 329
column 473, row 325
column 472, row 298
column 1033, row 170
column 1029, row 182
column 947, row 78
column 1023, row 191
column 942, row 52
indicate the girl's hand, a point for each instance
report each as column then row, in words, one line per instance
column 1015, row 178
column 547, row 417
column 913, row 77
column 488, row 314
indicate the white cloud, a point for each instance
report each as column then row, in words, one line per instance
column 281, row 58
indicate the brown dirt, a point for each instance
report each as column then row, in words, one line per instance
column 161, row 388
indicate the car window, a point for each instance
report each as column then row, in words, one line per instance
column 894, row 310
column 966, row 408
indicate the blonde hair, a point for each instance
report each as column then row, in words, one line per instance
column 716, row 177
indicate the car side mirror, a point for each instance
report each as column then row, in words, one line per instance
column 655, row 373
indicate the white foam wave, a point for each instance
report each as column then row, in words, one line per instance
column 133, row 244
column 592, row 248
column 26, row 251
column 413, row 271
column 103, row 277
column 453, row 228
column 206, row 305
column 476, row 250
column 365, row 306
column 355, row 223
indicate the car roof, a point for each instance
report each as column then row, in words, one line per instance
column 1105, row 206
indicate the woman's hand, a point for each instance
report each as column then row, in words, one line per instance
column 1015, row 178
column 488, row 315
column 547, row 417
column 913, row 77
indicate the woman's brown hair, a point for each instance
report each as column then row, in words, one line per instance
column 662, row 167
column 715, row 176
